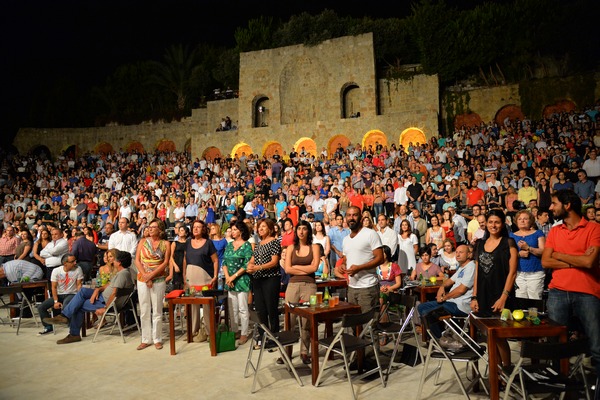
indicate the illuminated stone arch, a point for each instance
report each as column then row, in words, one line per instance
column 411, row 135
column 134, row 146
column 240, row 148
column 309, row 146
column 103, row 148
column 337, row 141
column 510, row 111
column 468, row 119
column 71, row 151
column 373, row 138
column 559, row 107
column 166, row 145
column 211, row 152
column 270, row 148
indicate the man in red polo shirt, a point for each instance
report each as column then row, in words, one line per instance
column 571, row 251
column 474, row 194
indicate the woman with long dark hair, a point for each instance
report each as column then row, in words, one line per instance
column 301, row 262
column 496, row 257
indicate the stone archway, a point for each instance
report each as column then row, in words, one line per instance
column 511, row 111
column 103, row 148
column 559, row 107
column 337, row 141
column 240, row 148
column 135, row 147
column 188, row 147
column 41, row 151
column 373, row 138
column 165, row 145
column 309, row 146
column 70, row 151
column 411, row 135
column 468, row 119
column 271, row 148
column 212, row 152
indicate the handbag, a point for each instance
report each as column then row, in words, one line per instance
column 225, row 339
column 202, row 335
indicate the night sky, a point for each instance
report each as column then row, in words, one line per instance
column 85, row 40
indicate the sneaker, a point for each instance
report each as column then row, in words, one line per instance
column 69, row 339
column 58, row 320
column 47, row 329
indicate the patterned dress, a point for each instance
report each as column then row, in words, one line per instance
column 234, row 260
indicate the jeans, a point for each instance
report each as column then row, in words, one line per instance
column 425, row 308
column 49, row 303
column 377, row 209
column 78, row 306
column 562, row 306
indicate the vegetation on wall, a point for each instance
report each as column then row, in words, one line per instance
column 455, row 103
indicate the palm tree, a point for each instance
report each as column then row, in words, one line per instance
column 178, row 72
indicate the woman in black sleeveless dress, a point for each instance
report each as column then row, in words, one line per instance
column 497, row 260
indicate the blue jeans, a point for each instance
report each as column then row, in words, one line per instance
column 377, row 209
column 78, row 306
column 49, row 304
column 425, row 308
column 562, row 306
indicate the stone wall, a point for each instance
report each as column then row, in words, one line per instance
column 304, row 88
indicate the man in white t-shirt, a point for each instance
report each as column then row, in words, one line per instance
column 363, row 252
column 66, row 281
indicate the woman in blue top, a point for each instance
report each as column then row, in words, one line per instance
column 530, row 241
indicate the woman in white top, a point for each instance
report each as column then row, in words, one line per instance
column 408, row 244
column 447, row 255
column 436, row 233
column 320, row 237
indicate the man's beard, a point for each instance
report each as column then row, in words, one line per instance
column 353, row 225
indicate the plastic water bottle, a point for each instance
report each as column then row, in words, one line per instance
column 221, row 280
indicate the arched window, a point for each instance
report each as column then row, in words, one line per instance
column 350, row 100
column 260, row 112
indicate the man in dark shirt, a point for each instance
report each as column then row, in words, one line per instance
column 415, row 193
column 85, row 251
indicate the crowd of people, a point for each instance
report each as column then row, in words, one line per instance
column 501, row 211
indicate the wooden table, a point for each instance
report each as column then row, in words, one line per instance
column 494, row 328
column 315, row 315
column 424, row 291
column 188, row 301
column 42, row 284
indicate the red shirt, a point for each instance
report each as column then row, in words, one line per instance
column 474, row 195
column 575, row 242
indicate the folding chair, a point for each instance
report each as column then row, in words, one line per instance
column 470, row 353
column 269, row 341
column 398, row 329
column 123, row 301
column 17, row 304
column 347, row 345
column 541, row 378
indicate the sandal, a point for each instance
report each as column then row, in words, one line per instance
column 142, row 346
column 243, row 339
column 158, row 346
column 383, row 340
column 305, row 359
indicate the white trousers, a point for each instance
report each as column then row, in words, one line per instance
column 238, row 311
column 530, row 285
column 151, row 305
